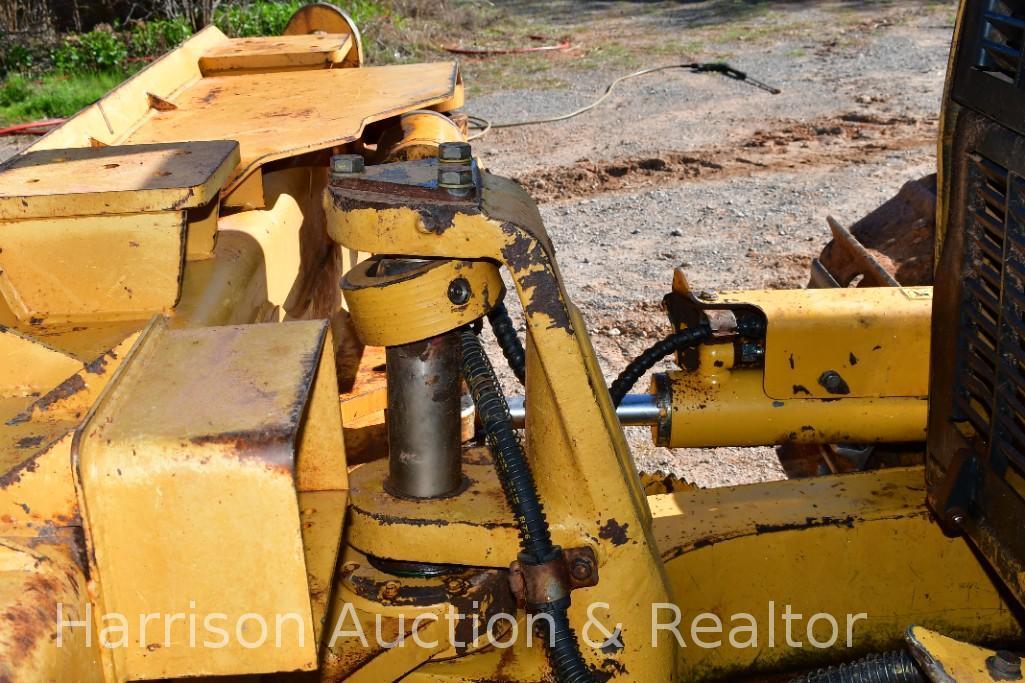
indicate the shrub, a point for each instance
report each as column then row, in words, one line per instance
column 98, row 50
column 148, row 38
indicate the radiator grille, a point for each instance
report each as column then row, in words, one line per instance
column 1002, row 39
column 991, row 365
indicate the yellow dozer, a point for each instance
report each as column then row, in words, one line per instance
column 250, row 431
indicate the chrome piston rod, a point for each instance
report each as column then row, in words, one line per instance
column 636, row 410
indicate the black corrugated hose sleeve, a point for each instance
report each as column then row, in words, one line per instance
column 518, row 484
column 889, row 667
column 508, row 340
column 692, row 336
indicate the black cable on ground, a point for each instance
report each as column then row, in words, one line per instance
column 521, row 491
column 678, row 341
column 889, row 667
column 505, row 333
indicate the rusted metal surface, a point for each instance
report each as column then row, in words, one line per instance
column 425, row 448
column 537, row 585
column 892, row 244
column 857, row 258
column 38, row 582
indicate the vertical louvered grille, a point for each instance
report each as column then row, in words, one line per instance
column 1002, row 39
column 991, row 365
column 984, row 249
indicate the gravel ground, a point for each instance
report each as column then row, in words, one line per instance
column 701, row 172
column 751, row 176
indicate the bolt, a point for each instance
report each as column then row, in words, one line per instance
column 350, row 567
column 832, row 382
column 459, row 291
column 581, row 569
column 454, row 152
column 1005, row 666
column 344, row 164
column 455, row 586
column 706, row 295
column 390, row 590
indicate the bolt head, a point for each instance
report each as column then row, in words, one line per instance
column 581, row 569
column 455, row 178
column 459, row 291
column 343, row 164
column 455, row 586
column 454, row 151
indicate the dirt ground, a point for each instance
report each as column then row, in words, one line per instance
column 728, row 182
column 701, row 172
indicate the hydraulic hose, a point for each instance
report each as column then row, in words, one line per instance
column 692, row 336
column 521, row 492
column 508, row 340
column 889, row 667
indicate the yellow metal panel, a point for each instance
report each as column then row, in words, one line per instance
column 190, row 453
column 36, row 580
column 876, row 338
column 389, row 310
column 115, row 180
column 123, row 108
column 277, row 232
column 945, row 660
column 323, row 514
column 475, row 528
column 275, row 53
column 320, row 450
column 730, row 408
column 106, row 267
column 29, row 366
column 260, row 112
column 838, row 545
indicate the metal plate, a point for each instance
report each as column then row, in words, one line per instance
column 277, row 53
column 93, row 181
column 260, row 110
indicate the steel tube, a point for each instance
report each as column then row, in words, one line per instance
column 424, row 440
column 636, row 410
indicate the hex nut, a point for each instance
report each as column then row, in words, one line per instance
column 456, row 177
column 454, row 151
column 343, row 164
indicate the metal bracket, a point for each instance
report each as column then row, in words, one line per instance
column 541, row 584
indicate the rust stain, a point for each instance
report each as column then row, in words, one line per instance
column 614, row 531
column 30, row 441
column 64, row 390
column 30, row 622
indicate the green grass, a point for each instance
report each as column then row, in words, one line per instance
column 52, row 95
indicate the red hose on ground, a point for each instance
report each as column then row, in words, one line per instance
column 32, row 128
